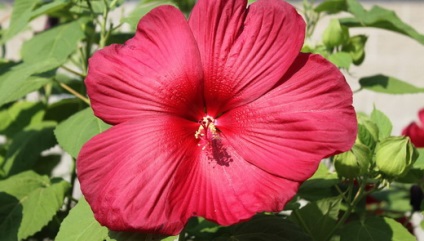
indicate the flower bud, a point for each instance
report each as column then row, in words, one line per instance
column 354, row 162
column 335, row 34
column 395, row 155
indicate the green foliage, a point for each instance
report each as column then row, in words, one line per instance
column 388, row 85
column 375, row 228
column 21, row 16
column 267, row 227
column 24, row 78
column 77, row 130
column 318, row 218
column 29, row 202
column 143, row 7
column 80, row 225
column 55, row 44
column 26, row 146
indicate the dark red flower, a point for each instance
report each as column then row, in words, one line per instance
column 219, row 116
column 415, row 131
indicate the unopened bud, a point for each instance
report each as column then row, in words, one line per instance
column 335, row 34
column 354, row 162
column 395, row 155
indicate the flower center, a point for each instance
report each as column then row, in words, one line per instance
column 207, row 131
column 211, row 143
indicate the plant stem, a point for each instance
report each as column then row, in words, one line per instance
column 75, row 93
column 351, row 205
column 73, row 71
column 104, row 34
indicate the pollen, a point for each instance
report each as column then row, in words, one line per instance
column 207, row 131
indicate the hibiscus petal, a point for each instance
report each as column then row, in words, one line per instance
column 126, row 173
column 157, row 70
column 244, row 51
column 222, row 187
column 306, row 117
column 415, row 131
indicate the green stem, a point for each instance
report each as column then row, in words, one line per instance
column 104, row 34
column 73, row 92
column 73, row 71
column 302, row 222
column 351, row 205
column 71, row 191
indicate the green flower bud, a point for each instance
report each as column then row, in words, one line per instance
column 335, row 34
column 395, row 155
column 353, row 163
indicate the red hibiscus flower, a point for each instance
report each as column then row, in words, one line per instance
column 416, row 131
column 217, row 116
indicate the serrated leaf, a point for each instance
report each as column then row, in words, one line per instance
column 379, row 17
column 383, row 123
column 268, row 227
column 28, row 202
column 80, row 225
column 26, row 147
column 24, row 78
column 142, row 8
column 376, row 228
column 55, row 44
column 77, row 130
column 21, row 15
column 319, row 217
column 20, row 115
column 388, row 85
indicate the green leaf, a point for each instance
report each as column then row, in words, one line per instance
column 318, row 217
column 319, row 186
column 341, row 59
column 21, row 16
column 383, row 123
column 28, row 202
column 268, row 227
column 26, row 147
column 356, row 48
column 46, row 164
column 55, row 44
column 376, row 228
column 379, row 18
column 63, row 109
column 20, row 115
column 332, row 6
column 388, row 85
column 142, row 8
column 24, row 78
column 50, row 7
column 419, row 163
column 80, row 225
column 395, row 199
column 77, row 130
